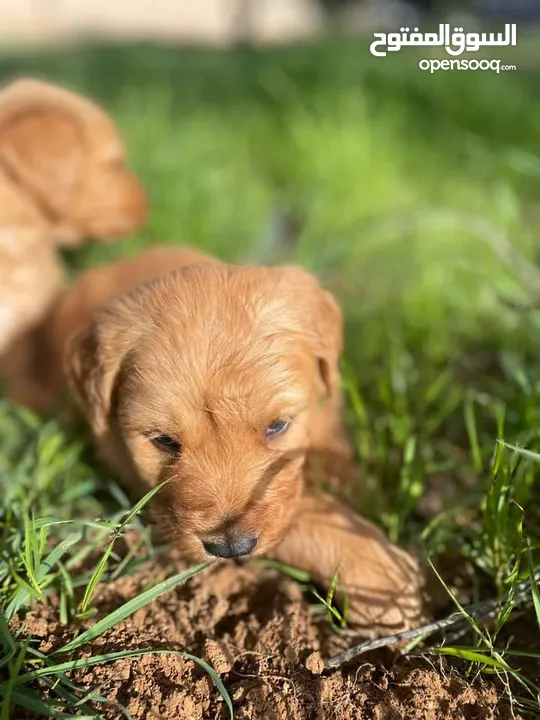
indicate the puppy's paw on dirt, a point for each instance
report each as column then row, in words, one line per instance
column 380, row 581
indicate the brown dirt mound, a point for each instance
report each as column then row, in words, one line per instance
column 255, row 627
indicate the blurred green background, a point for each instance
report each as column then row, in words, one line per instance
column 414, row 196
column 411, row 185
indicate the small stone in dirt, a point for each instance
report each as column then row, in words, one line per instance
column 291, row 654
column 219, row 656
column 315, row 663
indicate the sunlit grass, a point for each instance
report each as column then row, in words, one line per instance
column 415, row 199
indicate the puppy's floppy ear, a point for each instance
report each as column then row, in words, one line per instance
column 41, row 144
column 322, row 316
column 328, row 321
column 92, row 361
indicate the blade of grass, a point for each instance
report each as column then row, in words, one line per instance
column 300, row 576
column 513, row 577
column 62, row 692
column 10, row 684
column 529, row 454
column 99, row 659
column 473, row 655
column 31, row 701
column 535, row 591
column 67, row 595
column 45, row 566
column 470, row 424
column 62, row 686
column 31, row 554
column 8, row 643
column 130, row 607
column 122, row 565
column 102, row 565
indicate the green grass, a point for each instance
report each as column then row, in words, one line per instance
column 416, row 198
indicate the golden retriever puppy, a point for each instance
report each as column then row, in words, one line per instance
column 63, row 178
column 221, row 379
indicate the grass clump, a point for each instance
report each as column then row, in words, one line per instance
column 43, row 555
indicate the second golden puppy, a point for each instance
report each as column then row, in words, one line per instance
column 63, row 179
column 221, row 379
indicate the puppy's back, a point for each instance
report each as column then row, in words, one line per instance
column 33, row 367
column 95, row 287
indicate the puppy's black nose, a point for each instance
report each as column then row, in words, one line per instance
column 231, row 546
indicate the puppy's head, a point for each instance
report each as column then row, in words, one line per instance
column 64, row 152
column 211, row 377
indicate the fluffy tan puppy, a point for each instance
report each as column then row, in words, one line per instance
column 63, row 178
column 222, row 379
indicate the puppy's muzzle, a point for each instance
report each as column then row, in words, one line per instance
column 230, row 546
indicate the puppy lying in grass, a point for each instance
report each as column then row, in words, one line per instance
column 222, row 379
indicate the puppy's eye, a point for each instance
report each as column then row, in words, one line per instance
column 166, row 443
column 277, row 427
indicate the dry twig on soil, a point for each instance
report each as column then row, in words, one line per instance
column 480, row 612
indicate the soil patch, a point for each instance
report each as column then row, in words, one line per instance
column 257, row 630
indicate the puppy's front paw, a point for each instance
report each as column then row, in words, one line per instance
column 381, row 582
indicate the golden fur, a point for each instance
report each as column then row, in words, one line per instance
column 174, row 343
column 63, row 178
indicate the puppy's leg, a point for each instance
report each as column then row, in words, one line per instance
column 381, row 582
column 27, row 372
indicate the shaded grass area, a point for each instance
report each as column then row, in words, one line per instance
column 415, row 197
